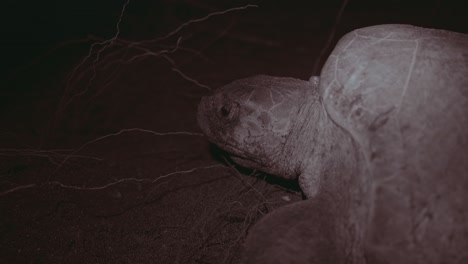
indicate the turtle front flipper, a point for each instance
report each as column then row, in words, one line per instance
column 309, row 231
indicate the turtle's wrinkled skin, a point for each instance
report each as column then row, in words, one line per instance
column 379, row 144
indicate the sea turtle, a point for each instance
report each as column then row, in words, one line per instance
column 379, row 143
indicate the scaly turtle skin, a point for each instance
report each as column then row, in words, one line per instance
column 379, row 145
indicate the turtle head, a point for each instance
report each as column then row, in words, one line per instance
column 253, row 118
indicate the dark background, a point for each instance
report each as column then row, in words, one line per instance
column 31, row 28
column 141, row 197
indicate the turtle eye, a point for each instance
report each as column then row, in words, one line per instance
column 225, row 111
column 228, row 110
